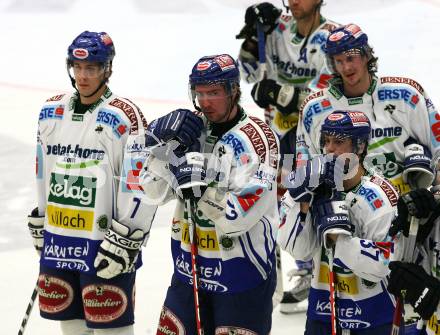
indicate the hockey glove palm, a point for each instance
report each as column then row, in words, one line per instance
column 284, row 97
column 265, row 13
column 119, row 251
column 36, row 228
column 181, row 124
column 417, row 171
column 330, row 216
column 303, row 182
column 419, row 203
column 411, row 282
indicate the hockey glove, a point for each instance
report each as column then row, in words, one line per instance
column 417, row 171
column 418, row 203
column 283, row 97
column 181, row 124
column 189, row 171
column 304, row 181
column 418, row 288
column 119, row 251
column 36, row 228
column 265, row 13
column 330, row 216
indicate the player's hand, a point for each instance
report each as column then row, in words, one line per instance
column 182, row 124
column 419, row 203
column 265, row 13
column 119, row 251
column 330, row 218
column 418, row 288
column 36, row 228
column 305, row 180
column 188, row 167
column 417, row 170
column 268, row 92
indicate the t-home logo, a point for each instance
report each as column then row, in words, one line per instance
column 72, row 190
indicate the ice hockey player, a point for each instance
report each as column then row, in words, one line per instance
column 418, row 282
column 294, row 50
column 351, row 210
column 90, row 222
column 234, row 211
column 405, row 124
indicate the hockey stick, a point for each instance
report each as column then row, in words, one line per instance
column 331, row 281
column 407, row 257
column 195, row 276
column 28, row 310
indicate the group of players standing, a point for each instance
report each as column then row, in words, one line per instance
column 353, row 155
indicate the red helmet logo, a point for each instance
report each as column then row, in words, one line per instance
column 336, row 36
column 203, row 66
column 80, row 53
column 335, row 117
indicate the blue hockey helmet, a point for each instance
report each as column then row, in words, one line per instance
column 347, row 124
column 349, row 39
column 217, row 69
column 346, row 38
column 93, row 47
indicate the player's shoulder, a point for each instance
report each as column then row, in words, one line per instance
column 54, row 107
column 405, row 82
column 126, row 111
column 316, row 103
column 376, row 192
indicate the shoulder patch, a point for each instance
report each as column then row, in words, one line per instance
column 129, row 112
column 256, row 140
column 311, row 97
column 273, row 146
column 56, row 98
column 388, row 189
column 402, row 80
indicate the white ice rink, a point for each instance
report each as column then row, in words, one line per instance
column 157, row 43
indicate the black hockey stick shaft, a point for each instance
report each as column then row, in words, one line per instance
column 28, row 310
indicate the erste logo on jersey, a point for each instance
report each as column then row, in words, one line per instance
column 373, row 199
column 402, row 93
column 111, row 119
column 52, row 112
column 314, row 109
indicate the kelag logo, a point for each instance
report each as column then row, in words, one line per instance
column 72, row 190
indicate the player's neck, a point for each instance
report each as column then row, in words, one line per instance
column 92, row 99
column 357, row 89
column 307, row 25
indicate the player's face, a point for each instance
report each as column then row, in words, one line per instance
column 214, row 102
column 353, row 68
column 302, row 9
column 88, row 76
column 336, row 145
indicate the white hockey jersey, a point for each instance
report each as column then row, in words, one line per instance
column 360, row 261
column 289, row 62
column 88, row 174
column 398, row 109
column 237, row 217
